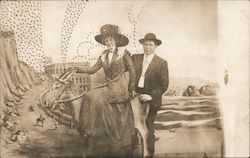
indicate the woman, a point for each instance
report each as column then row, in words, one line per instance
column 106, row 115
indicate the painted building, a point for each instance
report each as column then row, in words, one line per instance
column 81, row 81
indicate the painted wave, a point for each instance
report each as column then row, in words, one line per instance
column 179, row 112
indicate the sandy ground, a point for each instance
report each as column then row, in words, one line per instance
column 43, row 141
column 64, row 142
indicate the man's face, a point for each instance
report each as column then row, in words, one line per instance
column 149, row 47
column 110, row 43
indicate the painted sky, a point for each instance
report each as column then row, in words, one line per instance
column 188, row 30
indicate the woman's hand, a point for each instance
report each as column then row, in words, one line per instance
column 74, row 69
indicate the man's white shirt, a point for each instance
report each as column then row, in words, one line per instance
column 147, row 59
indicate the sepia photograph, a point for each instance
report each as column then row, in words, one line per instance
column 124, row 79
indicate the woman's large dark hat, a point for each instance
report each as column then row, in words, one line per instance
column 150, row 37
column 112, row 30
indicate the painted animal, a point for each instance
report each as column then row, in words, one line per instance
column 140, row 111
column 60, row 85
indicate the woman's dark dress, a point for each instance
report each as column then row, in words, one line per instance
column 109, row 125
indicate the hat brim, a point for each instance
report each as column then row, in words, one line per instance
column 121, row 40
column 157, row 42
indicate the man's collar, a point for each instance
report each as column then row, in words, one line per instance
column 149, row 57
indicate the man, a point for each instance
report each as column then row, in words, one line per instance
column 151, row 81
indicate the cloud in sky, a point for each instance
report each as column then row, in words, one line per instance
column 188, row 30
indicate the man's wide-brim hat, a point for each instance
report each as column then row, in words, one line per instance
column 113, row 31
column 150, row 37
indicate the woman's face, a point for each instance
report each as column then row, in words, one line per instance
column 110, row 43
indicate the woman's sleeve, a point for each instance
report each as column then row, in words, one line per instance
column 130, row 68
column 91, row 69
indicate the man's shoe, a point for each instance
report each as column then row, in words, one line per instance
column 150, row 156
column 85, row 140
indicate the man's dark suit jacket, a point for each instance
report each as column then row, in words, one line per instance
column 156, row 78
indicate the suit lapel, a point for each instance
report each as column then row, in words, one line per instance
column 151, row 65
column 140, row 63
